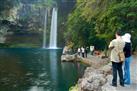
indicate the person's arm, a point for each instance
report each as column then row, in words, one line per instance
column 111, row 45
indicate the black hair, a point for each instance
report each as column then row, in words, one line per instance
column 119, row 32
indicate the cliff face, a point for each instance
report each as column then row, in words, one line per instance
column 8, row 14
column 27, row 16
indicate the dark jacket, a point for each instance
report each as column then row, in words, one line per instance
column 127, row 49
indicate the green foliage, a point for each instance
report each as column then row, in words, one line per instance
column 118, row 16
column 74, row 88
column 81, row 24
column 78, row 29
column 94, row 22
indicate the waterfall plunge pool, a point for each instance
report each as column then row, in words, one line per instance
column 33, row 69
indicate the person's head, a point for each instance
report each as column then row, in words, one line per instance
column 118, row 33
column 126, row 37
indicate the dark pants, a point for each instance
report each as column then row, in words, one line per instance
column 117, row 67
column 83, row 55
column 79, row 53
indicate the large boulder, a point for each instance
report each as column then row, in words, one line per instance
column 95, row 79
column 71, row 58
column 106, row 69
column 92, row 81
column 107, row 86
column 94, row 61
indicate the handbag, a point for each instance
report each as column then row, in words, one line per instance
column 121, row 56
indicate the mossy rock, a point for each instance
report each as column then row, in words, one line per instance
column 74, row 88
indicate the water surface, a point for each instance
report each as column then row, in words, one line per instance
column 25, row 69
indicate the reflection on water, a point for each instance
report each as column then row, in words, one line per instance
column 36, row 70
column 53, row 64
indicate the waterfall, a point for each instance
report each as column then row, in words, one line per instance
column 53, row 32
column 44, row 31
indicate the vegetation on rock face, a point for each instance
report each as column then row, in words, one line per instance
column 94, row 22
column 74, row 88
column 7, row 8
column 27, row 16
column 120, row 16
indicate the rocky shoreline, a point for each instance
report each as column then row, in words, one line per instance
column 100, row 78
column 94, row 61
column 96, row 77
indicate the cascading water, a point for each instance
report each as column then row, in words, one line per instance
column 44, row 31
column 53, row 32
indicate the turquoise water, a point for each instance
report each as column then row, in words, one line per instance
column 23, row 69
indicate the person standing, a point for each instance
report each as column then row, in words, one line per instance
column 83, row 52
column 79, row 51
column 91, row 49
column 127, row 51
column 116, row 46
column 86, row 51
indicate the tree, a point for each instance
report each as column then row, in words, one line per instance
column 118, row 16
column 81, row 23
column 100, row 19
